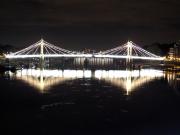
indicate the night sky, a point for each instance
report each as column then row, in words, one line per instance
column 98, row 24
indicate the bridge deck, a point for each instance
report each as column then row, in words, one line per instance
column 82, row 56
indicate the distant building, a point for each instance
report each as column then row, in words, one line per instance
column 174, row 52
column 177, row 51
column 171, row 53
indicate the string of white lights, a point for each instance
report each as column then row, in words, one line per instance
column 50, row 50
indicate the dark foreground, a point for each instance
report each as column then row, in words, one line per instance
column 89, row 106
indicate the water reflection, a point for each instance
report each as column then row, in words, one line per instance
column 44, row 79
column 173, row 79
column 129, row 80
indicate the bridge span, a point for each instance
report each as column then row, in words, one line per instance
column 43, row 49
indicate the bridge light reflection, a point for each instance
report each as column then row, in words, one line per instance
column 44, row 79
column 128, row 80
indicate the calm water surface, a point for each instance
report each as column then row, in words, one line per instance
column 143, row 101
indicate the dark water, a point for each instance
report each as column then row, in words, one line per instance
column 90, row 102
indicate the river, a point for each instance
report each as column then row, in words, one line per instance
column 145, row 101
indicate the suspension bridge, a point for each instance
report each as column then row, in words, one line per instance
column 43, row 49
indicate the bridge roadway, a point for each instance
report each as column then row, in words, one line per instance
column 83, row 56
column 43, row 49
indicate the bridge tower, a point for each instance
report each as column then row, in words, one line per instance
column 129, row 53
column 42, row 54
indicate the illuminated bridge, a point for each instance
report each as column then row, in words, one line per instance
column 43, row 49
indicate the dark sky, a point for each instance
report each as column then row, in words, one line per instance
column 79, row 24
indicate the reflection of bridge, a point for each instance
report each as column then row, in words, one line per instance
column 128, row 80
column 43, row 49
column 44, row 79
